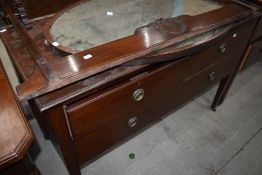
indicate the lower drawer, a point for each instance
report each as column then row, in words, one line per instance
column 171, row 97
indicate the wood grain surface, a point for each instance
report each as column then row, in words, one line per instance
column 15, row 135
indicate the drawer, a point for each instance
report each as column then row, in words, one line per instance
column 162, row 95
column 93, row 112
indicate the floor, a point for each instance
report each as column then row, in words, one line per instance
column 192, row 141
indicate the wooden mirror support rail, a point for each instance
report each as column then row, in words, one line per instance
column 97, row 77
column 254, row 50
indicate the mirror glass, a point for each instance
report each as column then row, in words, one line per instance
column 96, row 22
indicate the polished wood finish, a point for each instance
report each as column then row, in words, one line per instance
column 86, row 107
column 174, row 84
column 38, row 8
column 106, row 56
column 82, row 120
column 253, row 51
column 57, row 120
column 80, row 114
column 258, row 31
column 15, row 135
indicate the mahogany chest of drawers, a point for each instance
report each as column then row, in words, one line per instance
column 97, row 120
column 109, row 116
column 91, row 94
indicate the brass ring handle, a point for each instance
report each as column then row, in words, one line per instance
column 132, row 122
column 212, row 76
column 222, row 48
column 138, row 95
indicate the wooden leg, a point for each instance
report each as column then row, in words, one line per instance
column 219, row 92
column 57, row 120
column 222, row 90
column 225, row 92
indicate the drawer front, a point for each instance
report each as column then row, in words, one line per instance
column 166, row 96
column 94, row 112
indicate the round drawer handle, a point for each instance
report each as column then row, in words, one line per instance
column 132, row 122
column 138, row 95
column 212, row 76
column 222, row 48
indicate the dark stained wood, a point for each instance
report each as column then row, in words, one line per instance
column 38, row 8
column 115, row 53
column 87, row 86
column 253, row 6
column 59, row 126
column 123, row 50
column 172, row 92
column 15, row 135
column 187, row 68
column 87, row 105
column 224, row 86
column 22, row 167
column 174, row 87
column 29, row 43
column 253, row 51
column 258, row 31
column 84, row 122
column 256, row 52
column 177, row 51
column 259, row 2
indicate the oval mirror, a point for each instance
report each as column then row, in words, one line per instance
column 92, row 23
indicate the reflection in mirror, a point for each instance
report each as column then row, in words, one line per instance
column 97, row 22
